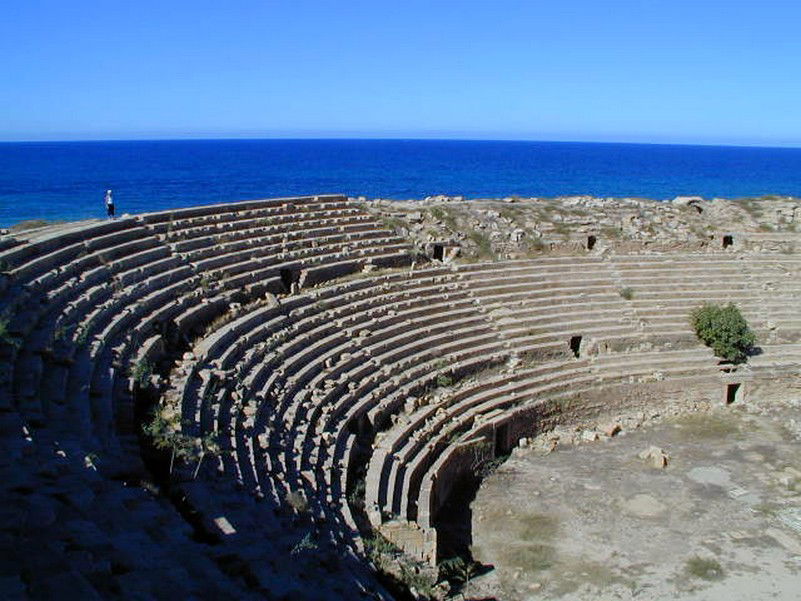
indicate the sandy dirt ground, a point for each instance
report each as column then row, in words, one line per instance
column 722, row 522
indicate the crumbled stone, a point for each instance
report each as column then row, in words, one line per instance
column 655, row 457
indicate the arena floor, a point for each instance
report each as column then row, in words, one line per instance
column 721, row 522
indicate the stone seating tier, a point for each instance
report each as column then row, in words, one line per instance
column 442, row 421
column 386, row 373
column 143, row 269
column 295, row 413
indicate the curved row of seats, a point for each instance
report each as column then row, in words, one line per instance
column 542, row 407
column 87, row 305
column 299, row 369
column 311, row 383
column 314, row 370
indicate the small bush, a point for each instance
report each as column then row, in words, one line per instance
column 60, row 333
column 164, row 436
column 724, row 330
column 510, row 213
column 206, row 445
column 458, row 570
column 437, row 213
column 627, row 293
column 444, row 381
column 83, row 333
column 446, row 216
column 533, row 244
column 142, row 372
column 297, row 501
column 356, row 496
column 394, row 223
column 417, row 580
column 380, row 550
column 611, row 232
column 380, row 545
column 441, row 364
column 482, row 241
column 306, row 543
column 705, row 569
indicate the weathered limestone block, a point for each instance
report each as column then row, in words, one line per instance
column 654, row 457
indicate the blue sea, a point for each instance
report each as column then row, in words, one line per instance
column 66, row 180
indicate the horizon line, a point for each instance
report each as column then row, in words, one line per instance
column 396, row 138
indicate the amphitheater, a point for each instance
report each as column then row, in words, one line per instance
column 351, row 372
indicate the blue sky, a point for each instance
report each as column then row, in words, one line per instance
column 650, row 71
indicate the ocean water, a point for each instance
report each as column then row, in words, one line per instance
column 66, row 180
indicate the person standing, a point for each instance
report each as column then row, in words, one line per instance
column 109, row 204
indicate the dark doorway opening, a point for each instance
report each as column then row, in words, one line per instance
column 501, row 442
column 439, row 252
column 287, row 278
column 575, row 345
column 591, row 240
column 360, row 425
column 733, row 393
column 728, row 240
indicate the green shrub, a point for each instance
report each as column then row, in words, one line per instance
column 306, row 543
column 441, row 364
column 380, row 544
column 417, row 580
column 164, row 436
column 83, row 333
column 356, row 496
column 458, row 570
column 627, row 293
column 5, row 335
column 444, row 381
column 380, row 550
column 142, row 372
column 611, row 232
column 482, row 241
column 206, row 445
column 60, row 333
column 394, row 223
column 437, row 213
column 724, row 330
column 705, row 569
column 446, row 216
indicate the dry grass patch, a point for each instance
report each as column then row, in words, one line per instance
column 574, row 574
column 538, row 526
column 703, row 568
column 446, row 216
column 483, row 244
column 708, row 426
column 529, row 557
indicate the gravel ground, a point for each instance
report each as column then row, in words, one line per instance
column 721, row 522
